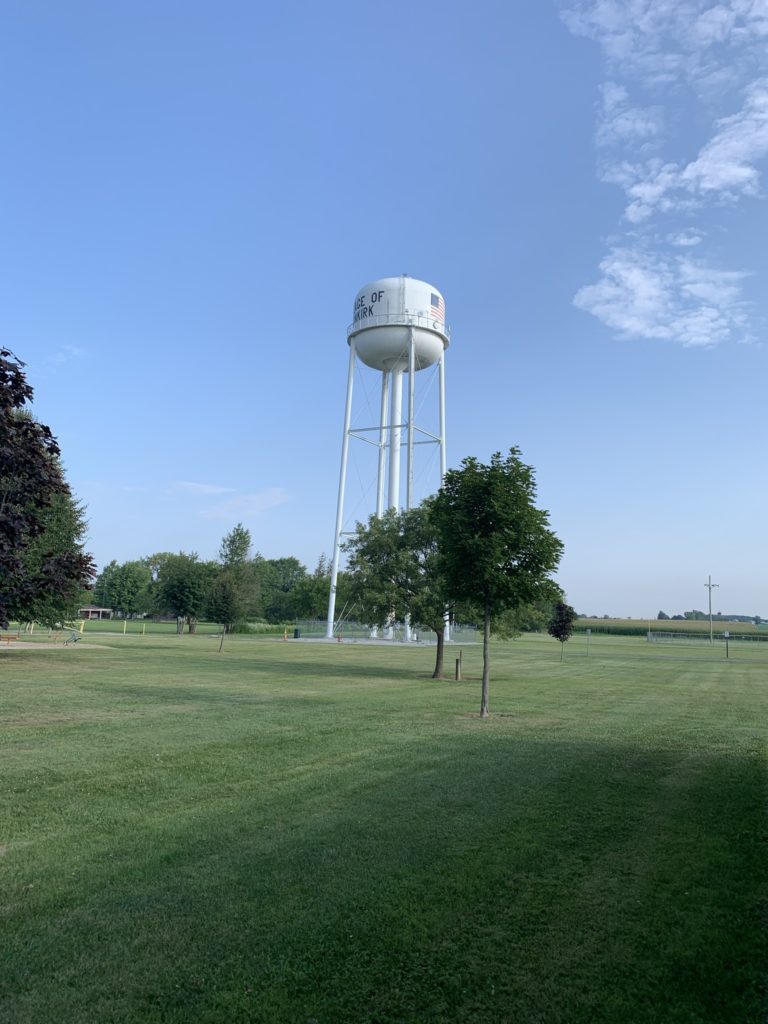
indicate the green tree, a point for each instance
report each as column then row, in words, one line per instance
column 235, row 550
column 497, row 547
column 225, row 603
column 279, row 579
column 64, row 528
column 183, row 585
column 395, row 572
column 310, row 595
column 135, row 588
column 662, row 615
column 231, row 593
column 533, row 617
column 104, row 587
column 561, row 624
column 34, row 499
column 127, row 589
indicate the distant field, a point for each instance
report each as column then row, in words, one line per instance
column 320, row 833
column 641, row 626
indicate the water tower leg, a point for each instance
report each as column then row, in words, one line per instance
column 340, row 503
column 410, row 425
column 443, row 464
column 395, row 439
column 382, row 443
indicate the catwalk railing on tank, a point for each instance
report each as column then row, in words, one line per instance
column 429, row 323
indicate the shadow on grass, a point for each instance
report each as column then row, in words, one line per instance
column 477, row 877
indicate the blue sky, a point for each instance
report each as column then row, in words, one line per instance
column 191, row 195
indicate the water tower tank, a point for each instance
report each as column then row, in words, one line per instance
column 387, row 311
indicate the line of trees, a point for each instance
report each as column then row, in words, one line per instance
column 698, row 616
column 240, row 586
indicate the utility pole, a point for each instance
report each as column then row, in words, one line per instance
column 709, row 585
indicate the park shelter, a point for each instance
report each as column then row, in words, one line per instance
column 92, row 611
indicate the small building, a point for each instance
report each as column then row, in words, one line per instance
column 92, row 611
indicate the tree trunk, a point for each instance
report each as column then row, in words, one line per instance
column 440, row 633
column 191, row 623
column 562, row 648
column 486, row 662
column 179, row 625
column 221, row 643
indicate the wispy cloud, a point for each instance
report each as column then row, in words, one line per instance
column 685, row 239
column 243, row 506
column 669, row 62
column 666, row 42
column 66, row 354
column 724, row 170
column 621, row 123
column 192, row 488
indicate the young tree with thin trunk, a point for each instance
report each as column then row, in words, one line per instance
column 561, row 624
column 232, row 592
column 497, row 549
column 225, row 602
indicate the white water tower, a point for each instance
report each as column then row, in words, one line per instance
column 398, row 328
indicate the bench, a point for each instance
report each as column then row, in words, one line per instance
column 7, row 637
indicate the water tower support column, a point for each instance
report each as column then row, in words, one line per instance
column 395, row 439
column 382, row 444
column 443, row 464
column 342, row 486
column 411, row 393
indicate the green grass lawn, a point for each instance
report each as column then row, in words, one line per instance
column 309, row 833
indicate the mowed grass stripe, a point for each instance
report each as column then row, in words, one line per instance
column 295, row 832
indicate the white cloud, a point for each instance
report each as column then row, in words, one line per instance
column 244, row 506
column 714, row 25
column 725, row 168
column 726, row 162
column 644, row 294
column 660, row 42
column 661, row 56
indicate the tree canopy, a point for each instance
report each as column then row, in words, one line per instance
column 43, row 566
column 183, row 584
column 126, row 588
column 395, row 572
column 561, row 624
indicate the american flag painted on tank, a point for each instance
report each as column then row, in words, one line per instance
column 438, row 306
